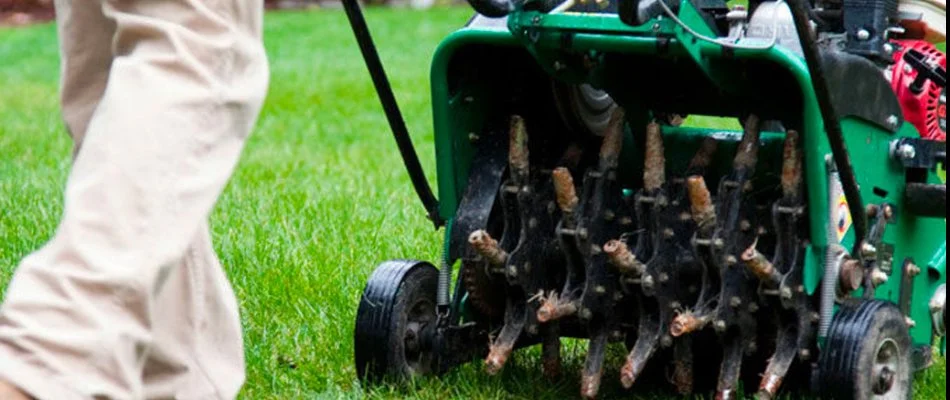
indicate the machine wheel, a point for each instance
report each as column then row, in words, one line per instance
column 396, row 321
column 867, row 354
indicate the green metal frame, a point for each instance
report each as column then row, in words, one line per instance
column 548, row 37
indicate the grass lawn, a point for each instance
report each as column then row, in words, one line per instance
column 319, row 199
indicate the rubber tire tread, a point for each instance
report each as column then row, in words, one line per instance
column 842, row 350
column 374, row 316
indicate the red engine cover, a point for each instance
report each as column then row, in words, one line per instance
column 926, row 110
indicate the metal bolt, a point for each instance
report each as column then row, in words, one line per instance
column 719, row 243
column 906, row 152
column 626, row 221
column 913, row 270
column 815, row 317
column 473, row 137
column 804, row 354
column 527, row 267
column 720, row 326
column 878, row 277
column 753, row 347
column 664, row 277
column 735, row 302
column 753, row 308
column 599, row 289
column 618, row 295
column 910, row 322
column 800, row 289
column 666, row 341
column 532, row 329
column 943, row 98
column 786, row 293
column 595, row 249
column 582, row 233
column 864, row 35
column 512, row 271
column 888, row 212
column 685, row 216
column 609, row 215
column 668, row 233
column 584, row 313
column 745, row 225
column 888, row 48
column 532, row 223
column 868, row 251
column 558, row 66
column 761, row 231
column 731, row 261
column 675, row 305
column 648, row 282
column 908, row 69
column 893, row 121
column 656, row 27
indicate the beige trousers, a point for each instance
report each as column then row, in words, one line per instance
column 128, row 300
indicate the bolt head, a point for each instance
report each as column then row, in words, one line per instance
column 664, row 277
column 908, row 69
column 888, row 48
column 786, row 293
column 512, row 271
column 599, row 289
column 863, row 35
column 584, row 313
column 532, row 329
column 666, row 341
column 720, row 326
column 753, row 308
column 804, row 354
column 879, row 277
column 907, row 152
column 893, row 121
column 735, row 302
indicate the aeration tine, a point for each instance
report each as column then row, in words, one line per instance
column 564, row 189
column 701, row 205
column 518, row 147
column 654, row 171
column 487, row 247
column 613, row 140
column 620, row 256
column 791, row 166
column 748, row 153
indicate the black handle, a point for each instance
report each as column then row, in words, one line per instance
column 492, row 8
column 391, row 108
column 925, row 72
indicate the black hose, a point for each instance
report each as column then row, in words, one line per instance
column 839, row 149
column 391, row 108
column 492, row 8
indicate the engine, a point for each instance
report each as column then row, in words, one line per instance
column 919, row 77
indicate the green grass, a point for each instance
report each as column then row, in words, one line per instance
column 319, row 199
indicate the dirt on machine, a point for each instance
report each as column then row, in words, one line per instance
column 803, row 251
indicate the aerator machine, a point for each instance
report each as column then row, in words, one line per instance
column 586, row 193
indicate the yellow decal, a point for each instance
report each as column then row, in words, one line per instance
column 844, row 221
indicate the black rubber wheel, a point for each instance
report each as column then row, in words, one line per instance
column 396, row 320
column 868, row 354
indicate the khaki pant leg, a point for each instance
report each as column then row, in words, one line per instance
column 85, row 44
column 198, row 351
column 81, row 317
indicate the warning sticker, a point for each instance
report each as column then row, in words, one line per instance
column 843, row 221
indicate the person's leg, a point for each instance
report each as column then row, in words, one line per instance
column 198, row 351
column 85, row 47
column 82, row 315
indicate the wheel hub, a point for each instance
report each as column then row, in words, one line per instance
column 886, row 367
